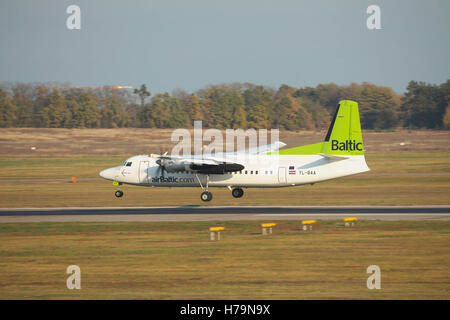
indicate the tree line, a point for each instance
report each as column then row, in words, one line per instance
column 235, row 105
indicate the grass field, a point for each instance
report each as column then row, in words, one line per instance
column 173, row 260
column 177, row 261
column 129, row 141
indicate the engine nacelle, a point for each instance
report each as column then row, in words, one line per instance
column 176, row 166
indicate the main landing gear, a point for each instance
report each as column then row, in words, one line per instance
column 237, row 192
column 206, row 195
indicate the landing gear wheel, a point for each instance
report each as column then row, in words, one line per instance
column 237, row 192
column 206, row 196
column 118, row 193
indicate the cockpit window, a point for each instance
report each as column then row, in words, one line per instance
column 124, row 163
column 129, row 164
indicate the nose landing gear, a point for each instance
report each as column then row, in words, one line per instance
column 118, row 193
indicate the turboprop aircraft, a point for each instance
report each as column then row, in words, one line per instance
column 340, row 154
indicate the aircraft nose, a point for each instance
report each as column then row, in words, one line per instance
column 108, row 174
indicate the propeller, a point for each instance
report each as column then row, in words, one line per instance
column 162, row 162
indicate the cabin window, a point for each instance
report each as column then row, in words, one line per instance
column 266, row 171
column 246, row 171
column 256, row 172
column 251, row 172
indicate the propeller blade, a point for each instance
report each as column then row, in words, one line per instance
column 161, row 168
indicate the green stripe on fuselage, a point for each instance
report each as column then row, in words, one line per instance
column 302, row 150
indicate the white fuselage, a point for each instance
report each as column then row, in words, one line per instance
column 259, row 172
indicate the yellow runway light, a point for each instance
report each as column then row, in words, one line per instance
column 350, row 221
column 216, row 228
column 267, row 227
column 215, row 231
column 307, row 223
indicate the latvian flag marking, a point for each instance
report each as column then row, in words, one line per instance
column 291, row 170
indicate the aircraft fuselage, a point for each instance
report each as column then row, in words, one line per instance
column 272, row 171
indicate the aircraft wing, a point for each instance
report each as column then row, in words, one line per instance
column 251, row 151
column 263, row 149
column 218, row 163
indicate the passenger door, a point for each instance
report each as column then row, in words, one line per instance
column 143, row 172
column 282, row 175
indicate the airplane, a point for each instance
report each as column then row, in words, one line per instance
column 340, row 154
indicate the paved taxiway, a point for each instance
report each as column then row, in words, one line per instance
column 205, row 213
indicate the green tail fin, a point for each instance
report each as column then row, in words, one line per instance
column 344, row 135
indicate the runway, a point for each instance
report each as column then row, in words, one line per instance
column 210, row 213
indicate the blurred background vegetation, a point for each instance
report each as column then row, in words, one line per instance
column 234, row 105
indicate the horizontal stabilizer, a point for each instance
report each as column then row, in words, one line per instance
column 332, row 156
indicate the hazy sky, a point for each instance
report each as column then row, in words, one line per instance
column 189, row 44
